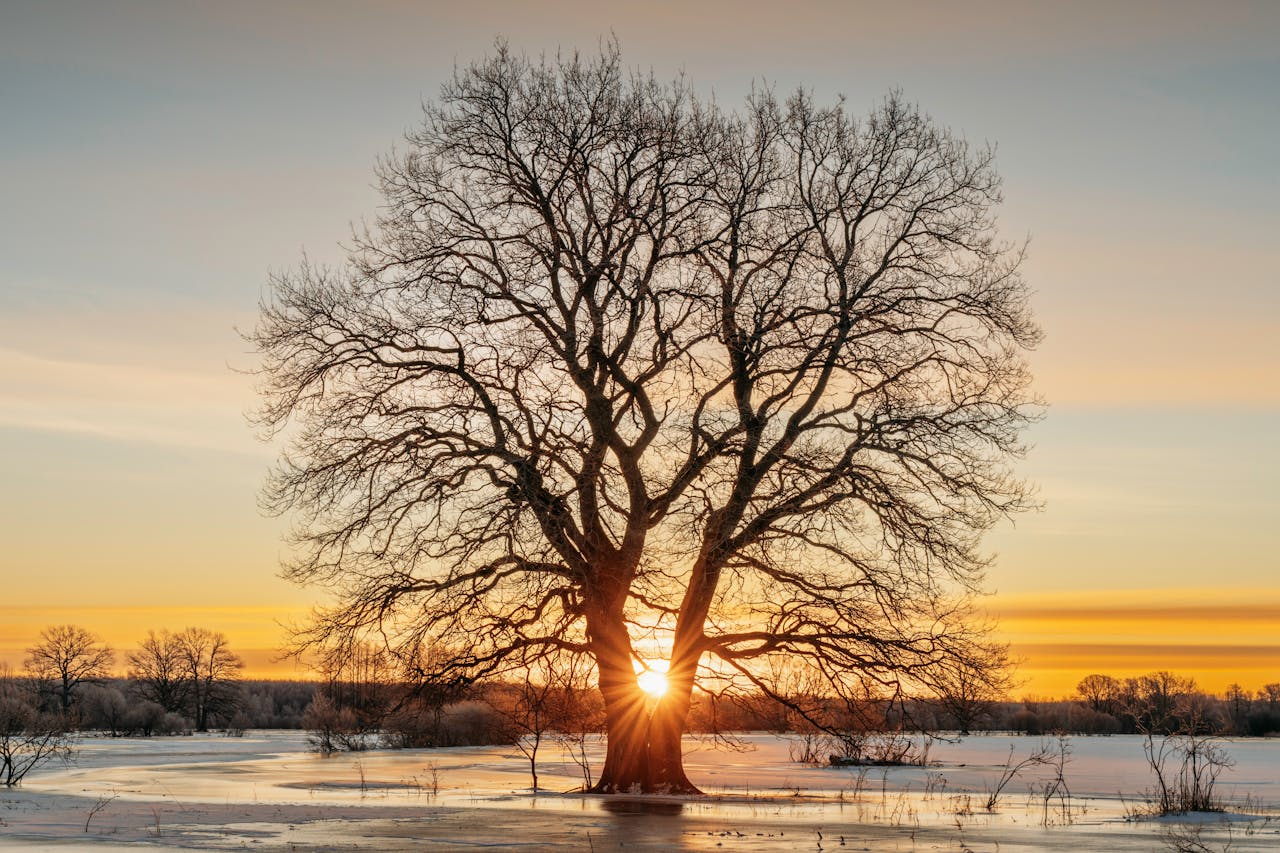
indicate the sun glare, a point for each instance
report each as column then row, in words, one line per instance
column 652, row 678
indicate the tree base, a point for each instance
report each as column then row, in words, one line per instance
column 684, row 788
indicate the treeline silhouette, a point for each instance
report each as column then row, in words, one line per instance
column 176, row 682
column 1160, row 702
column 185, row 681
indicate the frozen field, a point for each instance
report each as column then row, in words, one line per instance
column 266, row 792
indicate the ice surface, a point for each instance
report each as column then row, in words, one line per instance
column 267, row 792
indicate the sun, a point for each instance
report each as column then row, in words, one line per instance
column 652, row 678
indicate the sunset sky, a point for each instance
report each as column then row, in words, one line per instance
column 158, row 159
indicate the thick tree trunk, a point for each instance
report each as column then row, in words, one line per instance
column 643, row 747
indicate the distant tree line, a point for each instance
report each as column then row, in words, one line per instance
column 176, row 681
column 1159, row 703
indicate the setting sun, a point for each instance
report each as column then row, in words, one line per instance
column 653, row 678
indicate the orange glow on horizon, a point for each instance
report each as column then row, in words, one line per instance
column 1216, row 637
column 256, row 633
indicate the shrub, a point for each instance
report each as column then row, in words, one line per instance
column 28, row 739
column 332, row 729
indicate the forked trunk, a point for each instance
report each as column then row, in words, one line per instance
column 644, row 750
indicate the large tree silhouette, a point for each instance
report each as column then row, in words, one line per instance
column 618, row 372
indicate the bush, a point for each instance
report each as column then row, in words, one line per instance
column 146, row 719
column 1186, row 767
column 1027, row 722
column 332, row 729
column 105, row 709
column 174, row 724
column 28, row 739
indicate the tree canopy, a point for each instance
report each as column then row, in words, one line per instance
column 619, row 372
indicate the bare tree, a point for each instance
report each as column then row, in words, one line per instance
column 363, row 680
column 1161, row 702
column 160, row 670
column 1100, row 693
column 619, row 373
column 529, row 707
column 1239, row 702
column 211, row 671
column 576, row 709
column 1270, row 693
column 66, row 657
column 967, row 692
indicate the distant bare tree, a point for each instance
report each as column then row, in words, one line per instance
column 211, row 671
column 1101, row 693
column 1239, row 703
column 362, row 679
column 619, row 373
column 1161, row 702
column 160, row 670
column 66, row 657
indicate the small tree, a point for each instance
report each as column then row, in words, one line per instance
column 66, row 657
column 529, row 707
column 577, row 710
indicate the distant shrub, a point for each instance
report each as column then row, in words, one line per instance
column 332, row 729
column 1089, row 722
column 473, row 723
column 105, row 709
column 174, row 724
column 147, row 718
column 1027, row 722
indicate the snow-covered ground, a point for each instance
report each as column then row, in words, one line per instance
column 265, row 791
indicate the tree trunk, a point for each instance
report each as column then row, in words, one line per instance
column 643, row 747
column 644, row 750
column 644, row 736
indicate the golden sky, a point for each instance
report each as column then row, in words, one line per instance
column 1217, row 636
column 158, row 160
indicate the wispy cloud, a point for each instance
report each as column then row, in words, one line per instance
column 126, row 402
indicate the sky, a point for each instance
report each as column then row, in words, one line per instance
column 159, row 159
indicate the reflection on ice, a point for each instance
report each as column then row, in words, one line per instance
column 641, row 806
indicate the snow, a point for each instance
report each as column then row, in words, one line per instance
column 265, row 791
